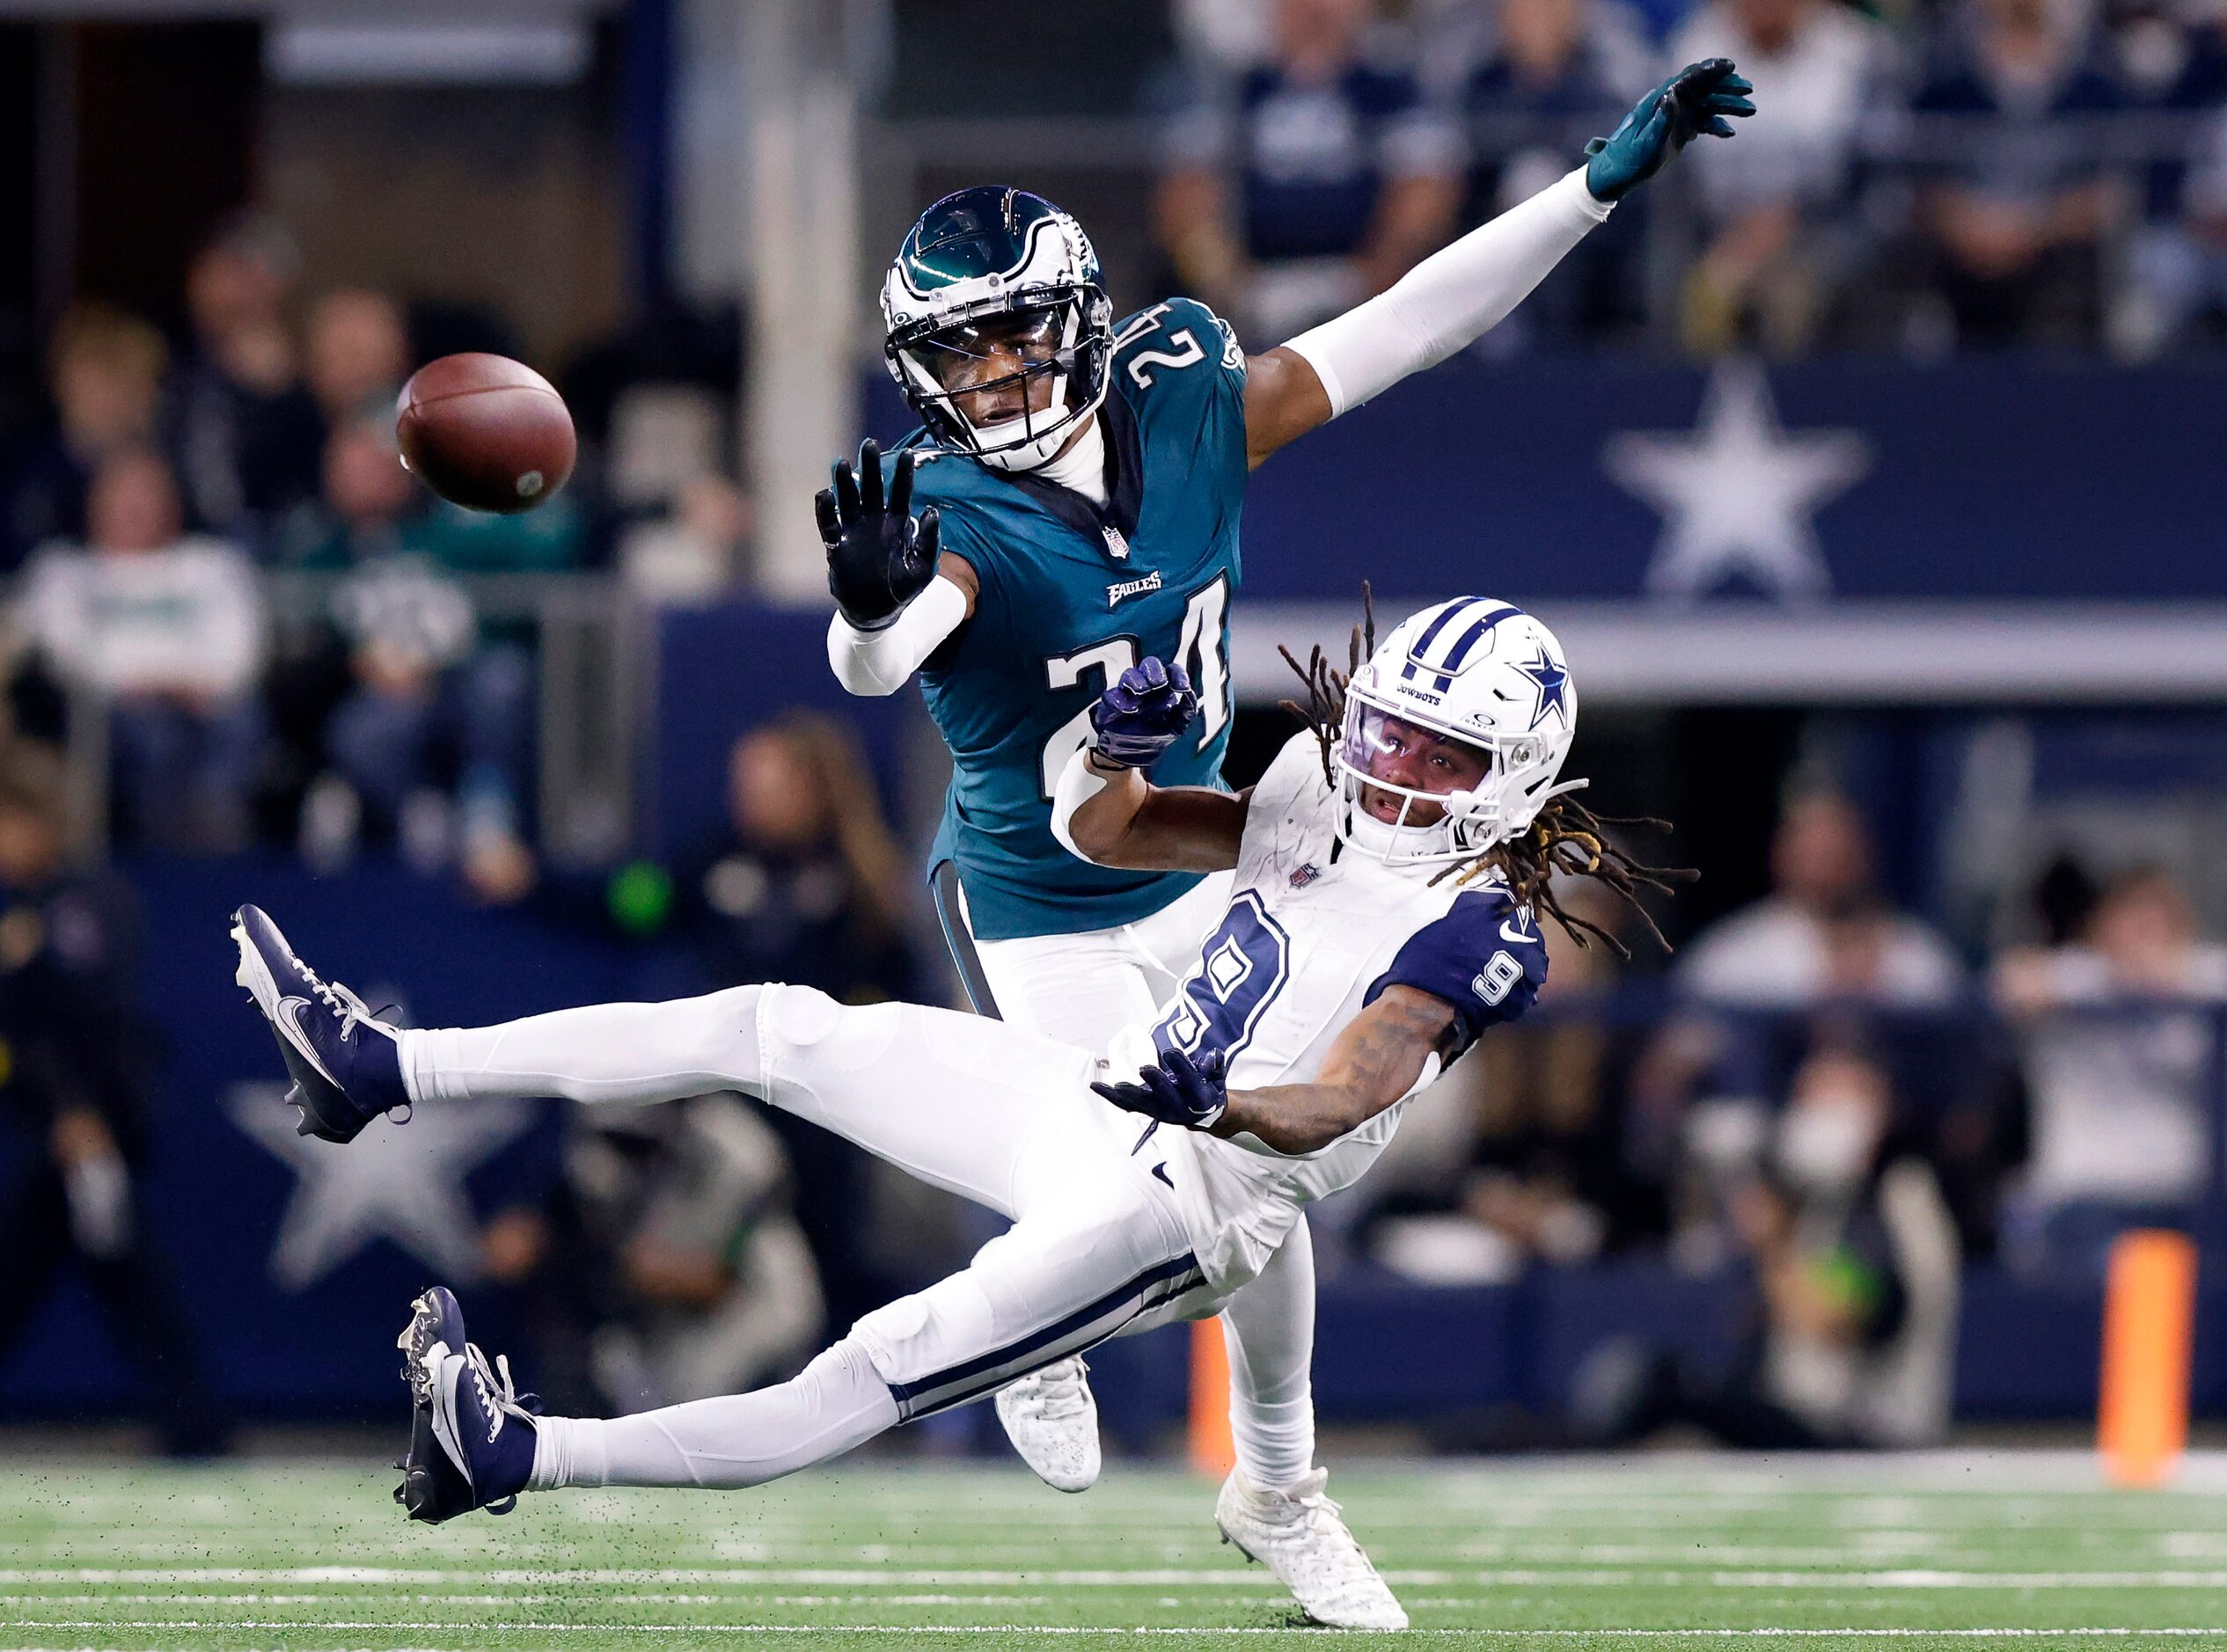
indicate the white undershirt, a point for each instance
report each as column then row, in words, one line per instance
column 1082, row 468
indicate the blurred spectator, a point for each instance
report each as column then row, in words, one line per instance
column 668, row 1267
column 248, row 432
column 809, row 886
column 2120, row 1124
column 104, row 371
column 358, row 355
column 1856, row 1273
column 169, row 628
column 2015, row 202
column 1821, row 933
column 1773, row 206
column 74, row 1050
column 1560, row 72
column 1311, row 180
column 692, row 554
column 2176, row 264
column 435, row 711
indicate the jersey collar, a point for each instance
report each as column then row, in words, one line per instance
column 1124, row 481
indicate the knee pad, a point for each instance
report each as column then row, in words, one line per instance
column 913, row 1340
column 796, row 1017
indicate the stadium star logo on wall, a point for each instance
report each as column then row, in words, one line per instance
column 1738, row 492
column 403, row 1182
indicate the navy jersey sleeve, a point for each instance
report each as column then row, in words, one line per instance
column 1484, row 957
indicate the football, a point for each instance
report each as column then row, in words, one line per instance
column 484, row 431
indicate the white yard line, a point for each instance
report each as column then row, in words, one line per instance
column 883, row 1577
column 1011, row 1629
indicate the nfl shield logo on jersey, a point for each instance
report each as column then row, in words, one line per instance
column 1306, row 875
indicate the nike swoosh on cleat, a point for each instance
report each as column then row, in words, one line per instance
column 289, row 1022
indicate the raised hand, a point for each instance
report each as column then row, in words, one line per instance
column 878, row 557
column 1175, row 1090
column 1704, row 97
column 1140, row 716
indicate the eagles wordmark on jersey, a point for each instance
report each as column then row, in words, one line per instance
column 1071, row 597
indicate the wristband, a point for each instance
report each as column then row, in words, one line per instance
column 1079, row 783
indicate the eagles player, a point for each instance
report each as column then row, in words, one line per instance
column 1347, row 970
column 1079, row 486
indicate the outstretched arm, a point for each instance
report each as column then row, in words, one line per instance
column 1104, row 810
column 898, row 594
column 1380, row 1057
column 1452, row 298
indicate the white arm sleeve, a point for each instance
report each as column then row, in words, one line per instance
column 1079, row 783
column 878, row 662
column 1448, row 301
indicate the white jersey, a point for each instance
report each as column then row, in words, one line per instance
column 1314, row 931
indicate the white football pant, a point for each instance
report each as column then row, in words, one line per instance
column 982, row 1109
column 1083, row 989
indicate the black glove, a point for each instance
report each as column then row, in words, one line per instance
column 878, row 557
column 1175, row 1091
column 1140, row 716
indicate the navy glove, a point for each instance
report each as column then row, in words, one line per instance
column 1175, row 1091
column 1697, row 98
column 878, row 557
column 1140, row 716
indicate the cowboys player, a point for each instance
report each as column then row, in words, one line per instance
column 1079, row 487
column 1346, row 972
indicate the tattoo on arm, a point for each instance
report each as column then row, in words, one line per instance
column 1376, row 1061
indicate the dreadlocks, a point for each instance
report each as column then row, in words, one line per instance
column 1565, row 837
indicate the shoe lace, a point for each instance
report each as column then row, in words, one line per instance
column 1318, row 1515
column 1057, row 1391
column 499, row 1395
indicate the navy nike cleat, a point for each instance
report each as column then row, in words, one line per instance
column 345, row 1065
column 471, row 1439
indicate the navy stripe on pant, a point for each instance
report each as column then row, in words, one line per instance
column 1084, row 1328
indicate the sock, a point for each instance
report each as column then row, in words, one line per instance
column 836, row 1402
column 599, row 1052
column 1275, row 1442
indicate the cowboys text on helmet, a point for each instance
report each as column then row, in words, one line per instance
column 1454, row 730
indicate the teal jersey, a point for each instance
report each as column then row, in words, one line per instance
column 1071, row 597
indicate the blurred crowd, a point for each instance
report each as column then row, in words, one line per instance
column 1959, row 173
column 1823, row 1095
column 213, row 537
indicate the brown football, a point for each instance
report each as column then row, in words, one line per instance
column 484, row 431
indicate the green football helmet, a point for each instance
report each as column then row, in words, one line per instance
column 995, row 303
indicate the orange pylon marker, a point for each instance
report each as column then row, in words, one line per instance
column 1213, row 1450
column 2149, row 1317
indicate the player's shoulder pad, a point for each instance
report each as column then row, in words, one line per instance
column 1154, row 345
column 1293, row 782
column 1483, row 955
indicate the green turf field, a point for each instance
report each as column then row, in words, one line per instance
column 1672, row 1553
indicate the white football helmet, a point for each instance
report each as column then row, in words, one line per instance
column 1480, row 673
column 996, row 269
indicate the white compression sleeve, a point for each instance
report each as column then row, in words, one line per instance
column 878, row 662
column 1079, row 783
column 1452, row 298
column 835, row 1403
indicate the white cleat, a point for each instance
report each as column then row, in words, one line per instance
column 1052, row 1422
column 1299, row 1535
